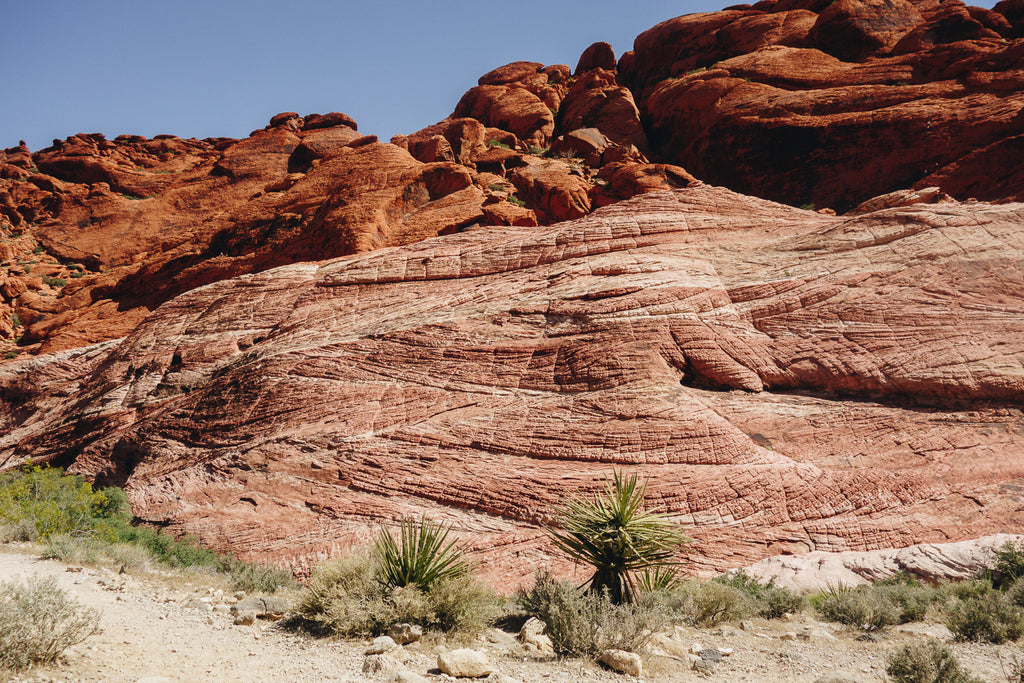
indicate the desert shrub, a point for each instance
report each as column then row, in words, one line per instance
column 71, row 549
column 257, row 578
column 771, row 601
column 128, row 556
column 583, row 623
column 1015, row 593
column 912, row 600
column 38, row 621
column 777, row 601
column 18, row 530
column 512, row 199
column 615, row 535
column 707, row 603
column 989, row 616
column 497, row 143
column 1007, row 565
column 861, row 607
column 50, row 501
column 927, row 662
column 348, row 597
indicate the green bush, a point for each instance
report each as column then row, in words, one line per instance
column 346, row 597
column 707, row 603
column 50, row 501
column 38, row 621
column 497, row 143
column 927, row 662
column 80, row 525
column 583, row 623
column 1007, row 565
column 771, row 601
column 989, row 617
column 861, row 607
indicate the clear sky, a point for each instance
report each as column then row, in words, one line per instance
column 209, row 68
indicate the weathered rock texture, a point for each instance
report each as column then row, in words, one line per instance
column 831, row 103
column 816, row 571
column 799, row 101
column 790, row 381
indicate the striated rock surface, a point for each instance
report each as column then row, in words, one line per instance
column 790, row 381
column 815, row 571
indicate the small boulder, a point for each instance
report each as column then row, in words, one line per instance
column 382, row 665
column 381, row 645
column 406, row 676
column 465, row 663
column 622, row 661
column 245, row 618
column 403, row 634
column 838, row 677
column 531, row 635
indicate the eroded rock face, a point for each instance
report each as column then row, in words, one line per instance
column 790, row 381
column 832, row 103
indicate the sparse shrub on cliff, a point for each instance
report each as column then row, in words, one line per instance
column 615, row 535
column 583, row 623
column 38, row 621
column 927, row 662
column 1007, row 565
column 420, row 578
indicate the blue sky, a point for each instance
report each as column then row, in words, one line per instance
column 208, row 68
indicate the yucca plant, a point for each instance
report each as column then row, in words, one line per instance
column 421, row 556
column 616, row 536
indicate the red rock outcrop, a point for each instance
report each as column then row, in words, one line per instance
column 791, row 381
column 833, row 103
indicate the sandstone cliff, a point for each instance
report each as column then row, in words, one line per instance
column 800, row 101
column 791, row 382
column 279, row 342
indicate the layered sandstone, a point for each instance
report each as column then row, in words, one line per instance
column 800, row 101
column 790, row 381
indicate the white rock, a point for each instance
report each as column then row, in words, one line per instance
column 406, row 676
column 622, row 661
column 380, row 645
column 695, row 648
column 465, row 663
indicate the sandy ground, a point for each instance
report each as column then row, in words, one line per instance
column 155, row 628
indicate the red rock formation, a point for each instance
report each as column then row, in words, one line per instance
column 791, row 381
column 831, row 103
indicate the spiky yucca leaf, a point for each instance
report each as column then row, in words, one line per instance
column 615, row 535
column 420, row 556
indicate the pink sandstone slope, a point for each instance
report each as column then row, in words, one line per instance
column 790, row 382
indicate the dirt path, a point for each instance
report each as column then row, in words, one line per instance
column 157, row 628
